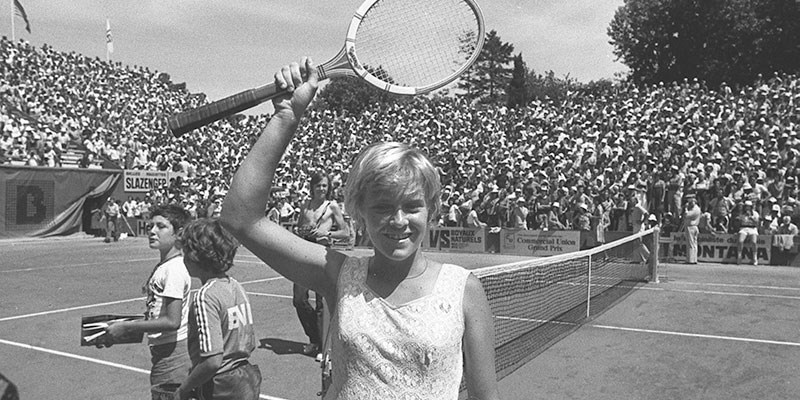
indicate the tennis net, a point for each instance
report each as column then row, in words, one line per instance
column 537, row 302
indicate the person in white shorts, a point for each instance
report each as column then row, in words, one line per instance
column 748, row 231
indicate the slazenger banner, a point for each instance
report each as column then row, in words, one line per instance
column 538, row 243
column 137, row 181
column 721, row 248
column 468, row 240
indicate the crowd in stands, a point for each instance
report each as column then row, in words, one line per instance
column 572, row 164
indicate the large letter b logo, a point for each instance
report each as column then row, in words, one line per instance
column 31, row 209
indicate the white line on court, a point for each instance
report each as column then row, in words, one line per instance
column 705, row 292
column 96, row 361
column 75, row 356
column 274, row 278
column 280, row 296
column 737, row 286
column 151, row 260
column 696, row 335
column 120, row 302
column 711, row 292
column 80, row 265
column 259, row 262
column 68, row 309
column 660, row 332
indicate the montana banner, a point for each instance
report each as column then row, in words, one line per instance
column 721, row 247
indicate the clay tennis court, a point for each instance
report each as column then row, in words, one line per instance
column 707, row 332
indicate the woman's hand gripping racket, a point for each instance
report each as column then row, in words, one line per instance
column 403, row 47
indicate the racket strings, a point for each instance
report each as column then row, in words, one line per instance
column 417, row 44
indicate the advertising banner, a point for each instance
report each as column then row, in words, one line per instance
column 467, row 240
column 41, row 202
column 538, row 243
column 721, row 247
column 138, row 181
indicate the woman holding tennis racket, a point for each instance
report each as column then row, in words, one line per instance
column 404, row 326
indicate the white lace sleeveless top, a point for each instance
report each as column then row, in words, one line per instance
column 411, row 351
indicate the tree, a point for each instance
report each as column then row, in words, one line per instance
column 714, row 40
column 486, row 81
column 597, row 88
column 549, row 87
column 518, row 87
column 352, row 94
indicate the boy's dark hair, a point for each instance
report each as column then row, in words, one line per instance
column 206, row 243
column 174, row 213
column 318, row 177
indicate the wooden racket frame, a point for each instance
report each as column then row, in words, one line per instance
column 345, row 63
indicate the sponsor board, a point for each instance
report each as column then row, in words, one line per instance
column 721, row 247
column 138, row 181
column 468, row 240
column 538, row 243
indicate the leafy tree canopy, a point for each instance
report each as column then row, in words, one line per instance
column 714, row 40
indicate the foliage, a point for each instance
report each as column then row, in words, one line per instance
column 713, row 40
column 486, row 81
column 597, row 88
column 518, row 87
column 550, row 87
column 352, row 94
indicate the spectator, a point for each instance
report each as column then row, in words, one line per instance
column 584, row 225
column 691, row 225
column 454, row 211
column 600, row 219
column 787, row 227
column 661, row 140
column 519, row 212
column 288, row 211
column 129, row 207
column 554, row 218
column 472, row 218
column 221, row 334
column 639, row 216
column 111, row 213
column 320, row 221
column 749, row 221
column 273, row 214
column 721, row 207
column 167, row 314
column 766, row 226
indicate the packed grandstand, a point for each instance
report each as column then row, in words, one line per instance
column 531, row 167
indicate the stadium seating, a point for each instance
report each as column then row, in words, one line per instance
column 656, row 142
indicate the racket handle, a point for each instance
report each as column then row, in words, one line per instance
column 204, row 115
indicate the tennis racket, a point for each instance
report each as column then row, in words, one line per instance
column 405, row 47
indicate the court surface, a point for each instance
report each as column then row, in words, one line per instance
column 707, row 332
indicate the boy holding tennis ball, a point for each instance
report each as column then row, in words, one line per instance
column 221, row 335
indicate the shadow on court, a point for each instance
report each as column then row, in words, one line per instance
column 281, row 346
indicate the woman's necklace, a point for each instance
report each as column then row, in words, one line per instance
column 417, row 275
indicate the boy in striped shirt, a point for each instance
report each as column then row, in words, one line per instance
column 221, row 335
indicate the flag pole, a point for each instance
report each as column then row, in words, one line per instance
column 109, row 41
column 13, row 36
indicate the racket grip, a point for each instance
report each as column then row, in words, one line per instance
column 204, row 115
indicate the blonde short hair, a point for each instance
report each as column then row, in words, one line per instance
column 393, row 167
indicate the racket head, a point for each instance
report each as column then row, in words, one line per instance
column 411, row 47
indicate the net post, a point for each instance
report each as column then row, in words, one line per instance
column 654, row 255
column 589, row 285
